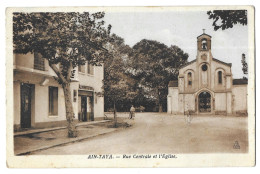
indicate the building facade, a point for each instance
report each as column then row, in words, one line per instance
column 205, row 86
column 39, row 99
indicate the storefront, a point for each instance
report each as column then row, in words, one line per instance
column 85, row 103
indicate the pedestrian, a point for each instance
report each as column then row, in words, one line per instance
column 132, row 112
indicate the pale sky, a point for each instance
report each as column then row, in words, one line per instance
column 181, row 29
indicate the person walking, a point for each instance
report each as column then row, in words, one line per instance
column 132, row 111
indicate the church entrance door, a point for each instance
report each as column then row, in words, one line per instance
column 204, row 102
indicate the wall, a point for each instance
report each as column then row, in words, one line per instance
column 239, row 93
column 24, row 72
column 17, row 103
column 74, row 86
column 169, row 104
column 212, row 77
column 24, row 60
column 99, row 107
column 40, row 111
column 42, row 105
column 189, row 102
column 180, row 104
column 215, row 67
column 26, row 63
column 173, row 98
column 184, row 83
column 95, row 81
column 229, row 103
column 220, row 103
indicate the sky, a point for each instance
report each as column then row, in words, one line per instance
column 181, row 28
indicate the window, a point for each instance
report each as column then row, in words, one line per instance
column 204, row 67
column 38, row 62
column 220, row 77
column 82, row 68
column 90, row 69
column 53, row 100
column 189, row 79
column 204, row 44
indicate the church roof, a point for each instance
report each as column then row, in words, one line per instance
column 216, row 60
column 240, row 81
column 203, row 34
column 188, row 63
column 228, row 64
column 173, row 83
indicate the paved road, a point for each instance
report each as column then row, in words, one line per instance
column 162, row 133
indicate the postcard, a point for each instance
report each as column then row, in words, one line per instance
column 130, row 86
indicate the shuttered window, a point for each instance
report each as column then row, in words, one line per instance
column 53, row 100
column 39, row 62
column 90, row 69
column 82, row 68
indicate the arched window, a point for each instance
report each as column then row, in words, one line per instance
column 189, row 79
column 204, row 44
column 220, row 77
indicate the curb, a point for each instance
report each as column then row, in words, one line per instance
column 16, row 134
column 59, row 144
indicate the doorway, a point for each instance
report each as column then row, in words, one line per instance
column 83, row 108
column 26, row 98
column 204, row 102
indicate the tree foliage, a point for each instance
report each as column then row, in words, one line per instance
column 225, row 19
column 153, row 65
column 61, row 37
column 69, row 39
column 116, row 83
column 244, row 64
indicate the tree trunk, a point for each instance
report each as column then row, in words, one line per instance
column 65, row 82
column 71, row 125
column 115, row 116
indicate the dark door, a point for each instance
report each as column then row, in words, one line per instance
column 204, row 102
column 84, row 108
column 26, row 90
column 91, row 112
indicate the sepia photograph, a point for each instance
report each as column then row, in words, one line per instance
column 130, row 86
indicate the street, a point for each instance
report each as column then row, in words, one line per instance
column 164, row 133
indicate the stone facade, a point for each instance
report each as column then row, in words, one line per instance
column 205, row 86
column 39, row 99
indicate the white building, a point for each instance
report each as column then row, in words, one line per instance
column 205, row 86
column 39, row 99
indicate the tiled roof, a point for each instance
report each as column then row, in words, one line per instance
column 240, row 81
column 173, row 83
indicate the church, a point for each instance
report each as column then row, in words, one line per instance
column 205, row 86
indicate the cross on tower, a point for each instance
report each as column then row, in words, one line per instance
column 203, row 31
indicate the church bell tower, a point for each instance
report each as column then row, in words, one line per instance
column 204, row 48
column 204, row 58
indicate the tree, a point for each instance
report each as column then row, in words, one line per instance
column 66, row 39
column 244, row 65
column 225, row 19
column 117, row 85
column 153, row 65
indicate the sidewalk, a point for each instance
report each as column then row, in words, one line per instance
column 34, row 140
column 32, row 131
